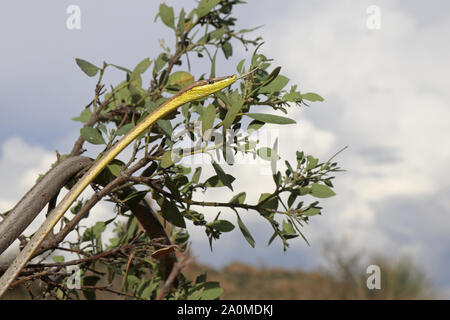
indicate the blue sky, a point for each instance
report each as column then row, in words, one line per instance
column 385, row 91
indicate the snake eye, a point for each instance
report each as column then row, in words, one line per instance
column 210, row 81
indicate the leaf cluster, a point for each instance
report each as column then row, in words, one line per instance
column 155, row 168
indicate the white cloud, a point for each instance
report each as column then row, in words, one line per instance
column 385, row 93
column 20, row 166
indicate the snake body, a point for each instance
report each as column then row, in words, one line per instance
column 192, row 92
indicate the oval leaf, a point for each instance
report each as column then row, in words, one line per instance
column 179, row 78
column 166, row 159
column 205, row 6
column 141, row 67
column 311, row 212
column 245, row 231
column 211, row 291
column 270, row 118
column 171, row 213
column 239, row 198
column 222, row 225
column 311, row 96
column 92, row 135
column 215, row 182
column 208, row 116
column 167, row 15
column 321, row 191
column 267, row 154
column 222, row 176
column 275, row 85
column 87, row 67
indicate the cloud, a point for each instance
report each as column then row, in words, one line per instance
column 386, row 98
column 20, row 166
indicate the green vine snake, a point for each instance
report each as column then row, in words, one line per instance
column 192, row 92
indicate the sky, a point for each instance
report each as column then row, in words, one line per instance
column 386, row 98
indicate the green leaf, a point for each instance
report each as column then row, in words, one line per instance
column 92, row 135
column 303, row 190
column 201, row 278
column 270, row 118
column 312, row 162
column 167, row 15
column 197, row 295
column 311, row 96
column 84, row 116
column 87, row 67
column 222, row 225
column 277, row 178
column 150, row 169
column 171, row 213
column 134, row 198
column 267, row 154
column 166, row 127
column 98, row 228
column 272, row 76
column 58, row 259
column 236, row 105
column 288, row 228
column 141, row 67
column 272, row 203
column 170, row 184
column 213, row 63
column 90, row 281
column 255, row 125
column 221, row 174
column 166, row 159
column 181, row 20
column 124, row 129
column 292, row 198
column 87, row 235
column 240, row 65
column 321, row 191
column 196, row 175
column 205, row 6
column 121, row 68
column 135, row 84
column 245, row 231
column 292, row 96
column 160, row 63
column 132, row 228
column 215, row 182
column 217, row 34
column 239, row 198
column 211, row 291
column 227, row 50
column 208, row 116
column 311, row 212
column 274, row 235
column 178, row 80
column 115, row 167
column 276, row 85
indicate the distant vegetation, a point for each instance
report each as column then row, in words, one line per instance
column 343, row 278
